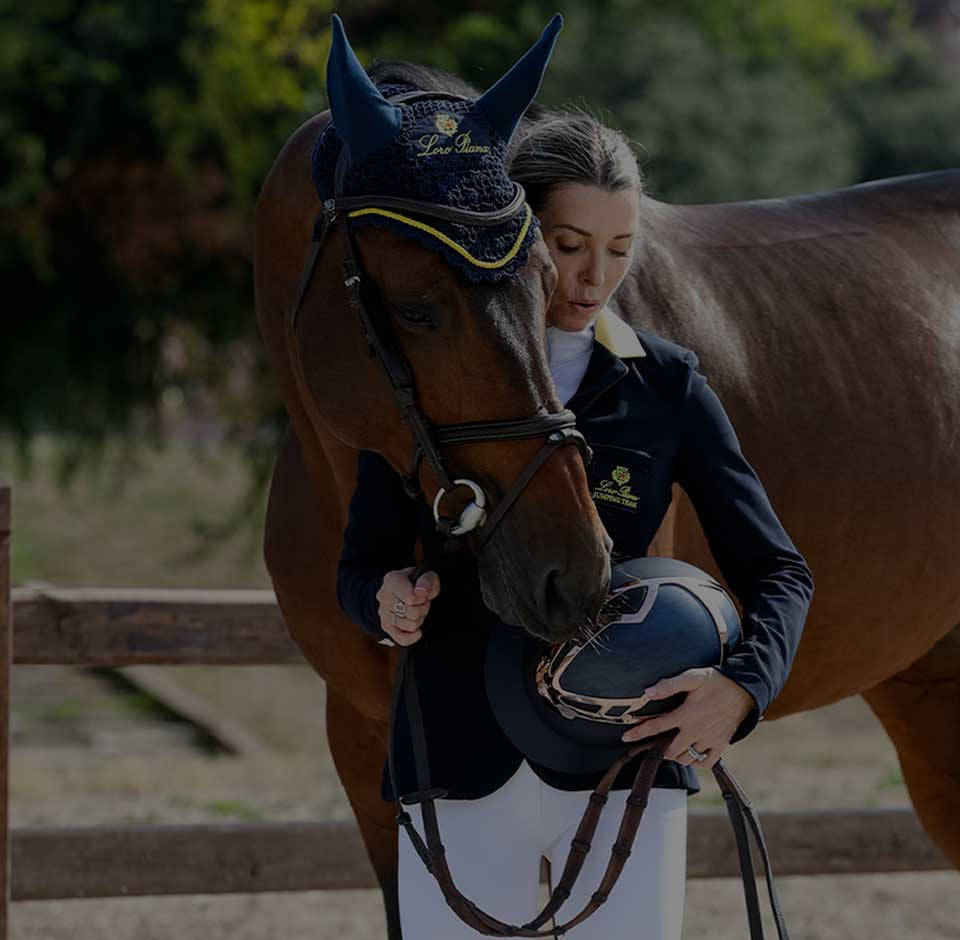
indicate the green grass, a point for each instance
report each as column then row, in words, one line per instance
column 133, row 520
column 233, row 808
column 139, row 703
column 892, row 780
column 121, row 703
column 70, row 710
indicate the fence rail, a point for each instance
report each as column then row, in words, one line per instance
column 117, row 627
column 138, row 627
column 127, row 861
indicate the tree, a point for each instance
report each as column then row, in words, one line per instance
column 136, row 137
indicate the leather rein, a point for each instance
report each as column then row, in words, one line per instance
column 559, row 429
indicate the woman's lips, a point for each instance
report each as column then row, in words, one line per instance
column 581, row 305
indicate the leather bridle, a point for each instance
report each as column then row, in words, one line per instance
column 559, row 428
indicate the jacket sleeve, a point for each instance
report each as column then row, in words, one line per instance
column 761, row 564
column 380, row 536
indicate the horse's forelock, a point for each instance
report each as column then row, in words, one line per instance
column 428, row 78
column 423, row 77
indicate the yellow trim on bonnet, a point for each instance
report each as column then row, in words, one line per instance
column 436, row 233
column 617, row 336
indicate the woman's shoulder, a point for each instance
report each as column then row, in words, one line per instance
column 666, row 365
column 665, row 352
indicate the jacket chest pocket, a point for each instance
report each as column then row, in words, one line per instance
column 631, row 491
column 619, row 477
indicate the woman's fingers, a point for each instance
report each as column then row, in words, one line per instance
column 714, row 753
column 410, row 620
column 396, row 587
column 402, row 638
column 706, row 720
column 414, row 613
column 427, row 586
column 404, row 606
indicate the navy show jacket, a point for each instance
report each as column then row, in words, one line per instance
column 642, row 405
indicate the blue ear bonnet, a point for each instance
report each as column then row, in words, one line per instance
column 447, row 153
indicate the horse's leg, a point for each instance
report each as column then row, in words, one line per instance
column 359, row 747
column 920, row 710
column 305, row 517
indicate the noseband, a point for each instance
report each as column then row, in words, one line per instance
column 559, row 428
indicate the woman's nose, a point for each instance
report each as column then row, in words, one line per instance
column 592, row 274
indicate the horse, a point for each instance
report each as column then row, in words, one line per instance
column 829, row 325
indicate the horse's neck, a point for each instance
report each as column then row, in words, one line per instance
column 710, row 276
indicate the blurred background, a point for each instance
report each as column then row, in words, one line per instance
column 135, row 137
column 138, row 420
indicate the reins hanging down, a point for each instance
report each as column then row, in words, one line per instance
column 432, row 853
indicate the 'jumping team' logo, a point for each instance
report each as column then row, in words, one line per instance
column 621, row 475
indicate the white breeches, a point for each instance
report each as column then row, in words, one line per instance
column 494, row 846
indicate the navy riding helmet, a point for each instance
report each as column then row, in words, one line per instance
column 565, row 706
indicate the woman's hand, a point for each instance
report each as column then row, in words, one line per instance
column 707, row 719
column 413, row 601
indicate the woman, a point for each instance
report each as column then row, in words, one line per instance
column 502, row 812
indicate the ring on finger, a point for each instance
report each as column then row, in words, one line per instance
column 400, row 608
column 697, row 755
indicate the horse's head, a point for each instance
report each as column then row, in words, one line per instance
column 429, row 255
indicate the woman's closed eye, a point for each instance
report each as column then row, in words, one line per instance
column 570, row 249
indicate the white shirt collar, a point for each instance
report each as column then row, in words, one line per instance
column 567, row 345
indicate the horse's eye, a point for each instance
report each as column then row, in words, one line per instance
column 417, row 316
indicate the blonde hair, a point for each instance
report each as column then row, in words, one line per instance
column 570, row 145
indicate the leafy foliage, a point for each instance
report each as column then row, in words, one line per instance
column 135, row 138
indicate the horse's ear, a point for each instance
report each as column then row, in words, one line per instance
column 364, row 119
column 503, row 104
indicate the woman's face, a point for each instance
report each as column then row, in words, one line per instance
column 590, row 232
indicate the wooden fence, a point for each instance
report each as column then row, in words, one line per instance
column 131, row 627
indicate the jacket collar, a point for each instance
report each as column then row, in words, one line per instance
column 615, row 341
column 617, row 336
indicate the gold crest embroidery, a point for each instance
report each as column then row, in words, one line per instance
column 446, row 124
column 615, row 489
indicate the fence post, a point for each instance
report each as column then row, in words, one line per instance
column 6, row 661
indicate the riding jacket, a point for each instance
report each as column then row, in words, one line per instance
column 651, row 419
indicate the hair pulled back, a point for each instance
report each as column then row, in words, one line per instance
column 570, row 145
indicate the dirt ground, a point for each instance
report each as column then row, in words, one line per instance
column 86, row 753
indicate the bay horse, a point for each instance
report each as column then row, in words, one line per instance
column 829, row 326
